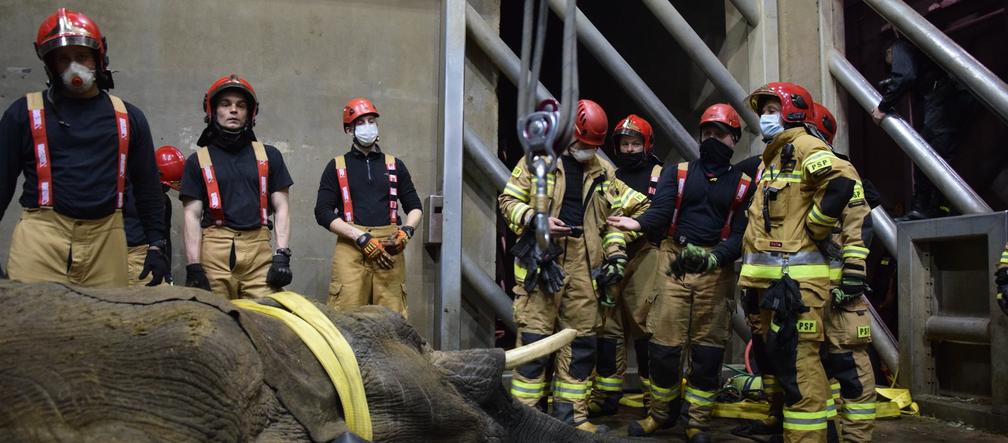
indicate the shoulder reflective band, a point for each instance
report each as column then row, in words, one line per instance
column 393, row 182
column 262, row 166
column 213, row 190
column 43, row 167
column 653, row 185
column 122, row 124
column 43, row 161
column 681, row 172
column 740, row 193
column 344, row 186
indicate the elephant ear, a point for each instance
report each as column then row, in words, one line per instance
column 475, row 373
column 297, row 377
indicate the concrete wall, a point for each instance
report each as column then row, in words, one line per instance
column 305, row 58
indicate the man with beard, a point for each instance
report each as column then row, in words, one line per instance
column 77, row 145
column 240, row 182
column 700, row 206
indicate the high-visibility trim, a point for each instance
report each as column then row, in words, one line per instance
column 835, row 390
column 777, row 258
column 855, row 252
column 700, row 398
column 774, row 327
column 804, row 421
column 818, row 161
column 519, row 272
column 798, row 272
column 740, row 195
column 571, row 391
column 516, row 192
column 122, row 127
column 664, row 394
column 613, row 384
column 43, row 158
column 212, row 187
column 831, row 409
column 614, row 237
column 1004, row 258
column 858, row 193
column 816, row 216
column 682, row 171
column 262, row 166
column 790, row 177
column 527, row 390
column 653, row 184
column 858, row 411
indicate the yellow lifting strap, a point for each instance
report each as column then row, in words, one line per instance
column 329, row 347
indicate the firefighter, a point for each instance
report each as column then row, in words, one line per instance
column 847, row 321
column 700, row 206
column 556, row 289
column 170, row 163
column 637, row 166
column 77, row 145
column 1001, row 281
column 230, row 187
column 358, row 199
column 802, row 193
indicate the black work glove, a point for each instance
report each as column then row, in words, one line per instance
column 613, row 269
column 279, row 274
column 1001, row 280
column 827, row 247
column 156, row 264
column 851, row 288
column 196, row 277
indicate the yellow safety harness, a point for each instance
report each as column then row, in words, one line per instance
column 331, row 350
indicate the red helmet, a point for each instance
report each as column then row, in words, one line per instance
column 68, row 28
column 725, row 116
column 824, row 121
column 170, row 164
column 590, row 123
column 71, row 28
column 796, row 101
column 636, row 126
column 355, row 108
column 231, row 82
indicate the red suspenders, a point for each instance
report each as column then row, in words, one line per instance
column 213, row 186
column 341, row 176
column 653, row 185
column 43, row 161
column 740, row 193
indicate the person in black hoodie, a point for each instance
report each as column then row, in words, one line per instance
column 700, row 206
column 637, row 166
column 240, row 182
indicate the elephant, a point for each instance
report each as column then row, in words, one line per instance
column 180, row 364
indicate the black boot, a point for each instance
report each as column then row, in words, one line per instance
column 920, row 208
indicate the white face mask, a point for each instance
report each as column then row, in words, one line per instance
column 366, row 133
column 583, row 155
column 78, row 78
column 770, row 125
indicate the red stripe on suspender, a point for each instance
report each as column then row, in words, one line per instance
column 341, row 176
column 682, row 170
column 263, row 166
column 122, row 123
column 43, row 165
column 213, row 194
column 393, row 189
column 740, row 193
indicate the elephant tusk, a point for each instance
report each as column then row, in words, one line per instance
column 526, row 353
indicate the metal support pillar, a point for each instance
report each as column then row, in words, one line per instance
column 749, row 10
column 885, row 228
column 500, row 54
column 480, row 155
column 621, row 71
column 986, row 86
column 705, row 59
column 491, row 295
column 920, row 152
column 448, row 301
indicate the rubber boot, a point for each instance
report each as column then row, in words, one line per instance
column 592, row 428
column 604, row 404
column 920, row 208
column 696, row 435
column 649, row 425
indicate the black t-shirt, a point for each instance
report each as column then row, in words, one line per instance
column 135, row 235
column 83, row 146
column 639, row 179
column 367, row 177
column 705, row 204
column 237, row 175
column 572, row 211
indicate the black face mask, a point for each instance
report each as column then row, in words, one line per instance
column 630, row 161
column 715, row 153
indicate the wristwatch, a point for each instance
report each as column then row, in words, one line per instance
column 160, row 244
column 408, row 230
column 284, row 251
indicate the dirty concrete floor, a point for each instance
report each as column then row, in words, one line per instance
column 902, row 430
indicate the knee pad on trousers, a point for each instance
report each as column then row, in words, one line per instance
column 582, row 357
column 643, row 361
column 606, row 360
column 666, row 370
column 705, row 373
column 843, row 368
column 535, row 368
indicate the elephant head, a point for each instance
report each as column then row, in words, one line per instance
column 178, row 364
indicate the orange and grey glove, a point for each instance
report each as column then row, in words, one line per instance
column 373, row 251
column 397, row 243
